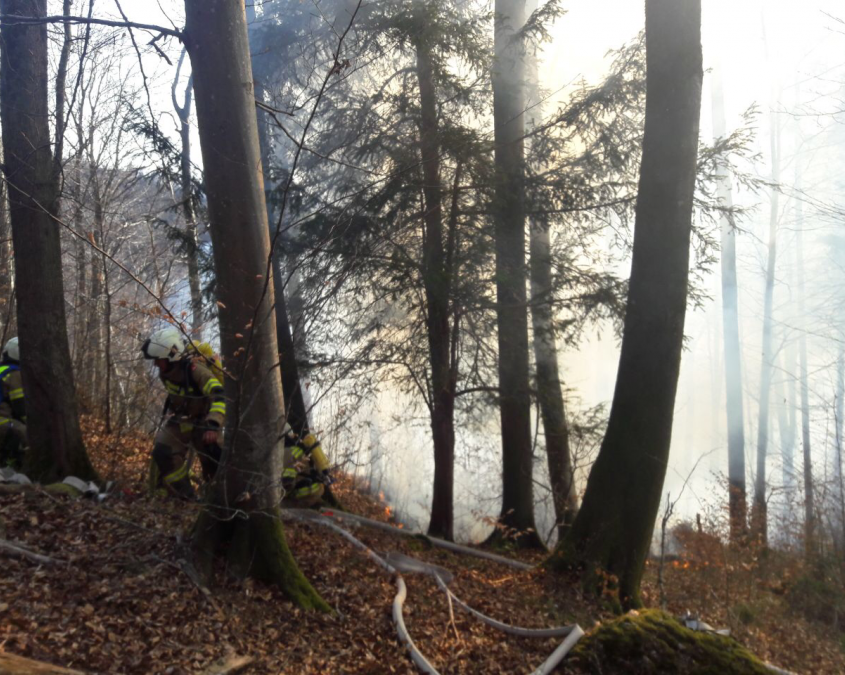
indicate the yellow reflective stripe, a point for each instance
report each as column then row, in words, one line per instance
column 308, row 490
column 4, row 420
column 4, row 370
column 185, row 427
column 218, row 407
column 15, row 394
column 177, row 475
column 211, row 384
column 297, row 452
column 289, row 473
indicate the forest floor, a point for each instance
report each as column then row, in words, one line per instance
column 119, row 598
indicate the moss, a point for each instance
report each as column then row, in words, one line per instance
column 273, row 562
column 62, row 489
column 653, row 642
column 254, row 546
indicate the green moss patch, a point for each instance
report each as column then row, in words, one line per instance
column 654, row 642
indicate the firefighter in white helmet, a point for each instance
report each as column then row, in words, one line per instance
column 197, row 410
column 12, row 407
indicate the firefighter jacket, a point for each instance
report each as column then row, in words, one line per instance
column 12, row 403
column 194, row 393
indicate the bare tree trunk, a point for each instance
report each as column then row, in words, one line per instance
column 839, row 532
column 786, row 418
column 7, row 272
column 248, row 480
column 191, row 251
column 56, row 447
column 612, row 531
column 512, row 303
column 730, row 330
column 549, row 386
column 809, row 498
column 758, row 514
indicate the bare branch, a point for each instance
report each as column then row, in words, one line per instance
column 11, row 19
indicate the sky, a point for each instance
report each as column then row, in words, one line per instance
column 783, row 56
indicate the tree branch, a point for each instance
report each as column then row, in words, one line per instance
column 35, row 21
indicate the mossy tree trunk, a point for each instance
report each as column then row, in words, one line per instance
column 56, row 448
column 613, row 528
column 248, row 480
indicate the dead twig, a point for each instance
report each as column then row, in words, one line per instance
column 19, row 551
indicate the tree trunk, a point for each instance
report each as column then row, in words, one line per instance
column 758, row 515
column 613, row 528
column 549, row 386
column 297, row 411
column 437, row 281
column 809, row 498
column 191, row 252
column 248, row 480
column 730, row 331
column 7, row 277
column 517, row 512
column 839, row 487
column 55, row 442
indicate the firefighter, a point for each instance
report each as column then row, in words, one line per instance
column 306, row 480
column 197, row 410
column 12, row 408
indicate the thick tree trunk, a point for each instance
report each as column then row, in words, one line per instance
column 759, row 517
column 730, row 330
column 508, row 75
column 613, row 529
column 56, row 447
column 216, row 37
column 437, row 282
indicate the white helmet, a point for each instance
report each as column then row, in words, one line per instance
column 166, row 343
column 11, row 350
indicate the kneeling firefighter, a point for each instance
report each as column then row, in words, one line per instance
column 306, row 480
column 12, row 408
column 197, row 410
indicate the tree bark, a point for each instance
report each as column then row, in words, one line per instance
column 809, row 497
column 549, row 386
column 436, row 281
column 56, row 447
column 730, row 332
column 517, row 514
column 191, row 252
column 248, row 479
column 759, row 517
column 613, row 529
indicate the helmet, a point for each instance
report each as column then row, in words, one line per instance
column 11, row 350
column 166, row 343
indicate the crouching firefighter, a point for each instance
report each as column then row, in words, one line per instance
column 197, row 411
column 306, row 478
column 12, row 408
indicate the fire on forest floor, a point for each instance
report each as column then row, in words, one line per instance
column 120, row 600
